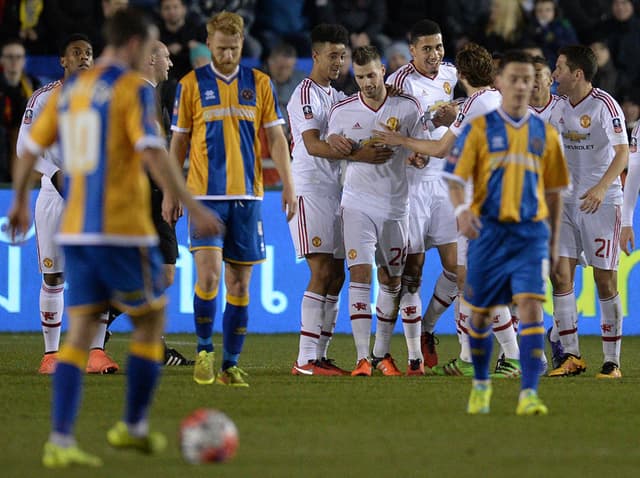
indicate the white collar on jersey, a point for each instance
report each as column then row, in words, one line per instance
column 226, row 78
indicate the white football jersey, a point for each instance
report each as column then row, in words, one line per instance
column 544, row 112
column 431, row 92
column 308, row 109
column 479, row 103
column 589, row 130
column 50, row 161
column 380, row 190
column 632, row 183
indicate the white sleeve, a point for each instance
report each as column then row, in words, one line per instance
column 44, row 165
column 615, row 126
column 305, row 110
column 632, row 183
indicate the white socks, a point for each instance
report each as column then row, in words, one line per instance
column 51, row 308
column 360, row 315
column 312, row 315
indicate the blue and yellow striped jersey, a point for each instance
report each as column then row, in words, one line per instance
column 103, row 118
column 224, row 116
column 511, row 165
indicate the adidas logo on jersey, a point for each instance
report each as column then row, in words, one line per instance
column 356, row 126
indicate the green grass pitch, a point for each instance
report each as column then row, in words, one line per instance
column 338, row 426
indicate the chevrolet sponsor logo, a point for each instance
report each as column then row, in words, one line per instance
column 575, row 136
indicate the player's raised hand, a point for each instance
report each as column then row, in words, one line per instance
column 388, row 136
column 341, row 144
column 627, row 243
column 393, row 90
column 592, row 199
column 469, row 224
column 445, row 114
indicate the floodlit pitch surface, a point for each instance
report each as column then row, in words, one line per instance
column 294, row 426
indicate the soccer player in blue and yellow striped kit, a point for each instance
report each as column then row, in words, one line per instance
column 219, row 110
column 106, row 122
column 518, row 171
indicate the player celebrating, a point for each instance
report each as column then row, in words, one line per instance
column 317, row 228
column 76, row 54
column 431, row 223
column 105, row 118
column 219, row 110
column 375, row 207
column 509, row 146
column 592, row 126
column 475, row 74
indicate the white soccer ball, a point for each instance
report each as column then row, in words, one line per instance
column 208, row 436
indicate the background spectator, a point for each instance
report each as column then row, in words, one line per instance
column 281, row 67
column 245, row 8
column 549, row 30
column 107, row 8
column 585, row 15
column 463, row 18
column 623, row 39
column 363, row 19
column 397, row 54
column 16, row 87
column 199, row 55
column 180, row 30
column 631, row 107
column 606, row 77
column 346, row 82
column 61, row 18
column 502, row 30
column 288, row 21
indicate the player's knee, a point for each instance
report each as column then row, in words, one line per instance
column 412, row 283
column 606, row 284
column 53, row 280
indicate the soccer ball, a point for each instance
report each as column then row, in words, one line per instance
column 208, row 436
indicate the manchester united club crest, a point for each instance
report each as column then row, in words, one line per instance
column 585, row 121
column 316, row 241
column 47, row 262
column 393, row 124
column 352, row 254
column 247, row 94
column 447, row 87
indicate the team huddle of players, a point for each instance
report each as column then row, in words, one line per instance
column 389, row 201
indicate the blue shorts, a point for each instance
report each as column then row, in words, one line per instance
column 243, row 242
column 506, row 261
column 130, row 278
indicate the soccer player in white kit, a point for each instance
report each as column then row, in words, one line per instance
column 593, row 131
column 542, row 103
column 432, row 223
column 316, row 229
column 375, row 207
column 76, row 54
column 475, row 74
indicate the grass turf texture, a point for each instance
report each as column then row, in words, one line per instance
column 338, row 426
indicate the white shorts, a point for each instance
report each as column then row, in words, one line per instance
column 317, row 228
column 432, row 221
column 370, row 239
column 463, row 245
column 49, row 207
column 597, row 235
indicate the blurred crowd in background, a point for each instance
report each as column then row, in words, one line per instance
column 277, row 38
